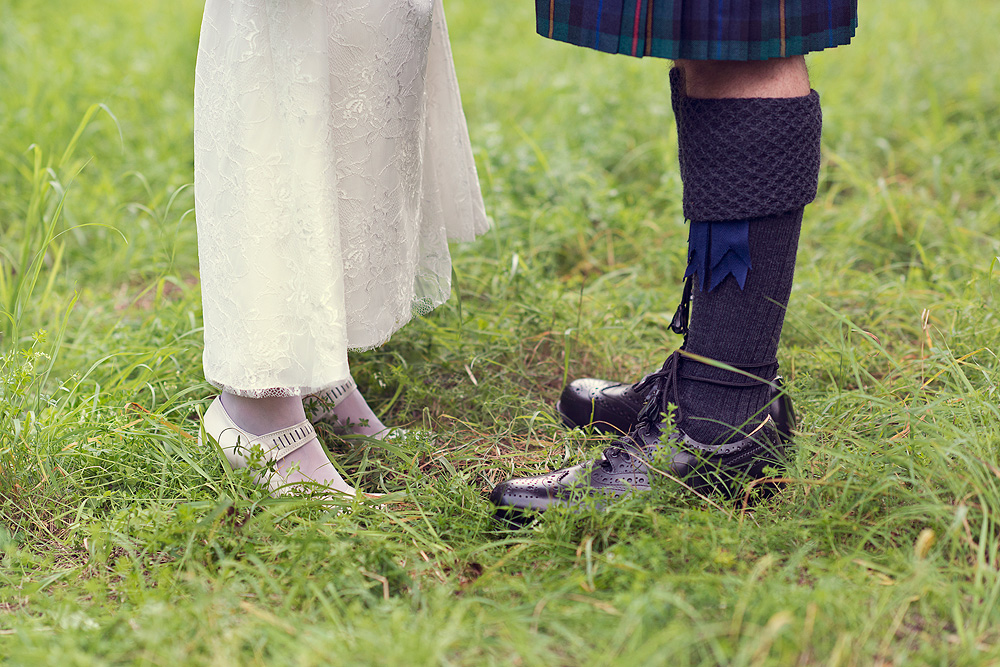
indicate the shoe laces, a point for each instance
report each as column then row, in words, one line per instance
column 661, row 389
column 663, row 385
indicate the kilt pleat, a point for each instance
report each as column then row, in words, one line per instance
column 700, row 29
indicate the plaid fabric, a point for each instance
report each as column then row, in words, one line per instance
column 700, row 29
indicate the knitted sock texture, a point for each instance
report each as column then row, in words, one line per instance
column 755, row 160
column 747, row 158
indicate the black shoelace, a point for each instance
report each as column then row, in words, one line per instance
column 664, row 381
column 662, row 388
column 662, row 391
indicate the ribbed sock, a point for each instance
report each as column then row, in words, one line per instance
column 741, row 328
column 756, row 162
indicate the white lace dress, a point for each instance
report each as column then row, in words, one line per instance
column 332, row 165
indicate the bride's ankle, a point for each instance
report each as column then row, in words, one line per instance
column 345, row 406
column 260, row 416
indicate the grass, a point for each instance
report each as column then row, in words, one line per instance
column 124, row 542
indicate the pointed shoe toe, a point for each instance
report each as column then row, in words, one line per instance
column 521, row 497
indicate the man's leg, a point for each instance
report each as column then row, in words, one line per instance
column 749, row 136
column 721, row 79
column 734, row 325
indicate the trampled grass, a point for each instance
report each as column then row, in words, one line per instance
column 124, row 542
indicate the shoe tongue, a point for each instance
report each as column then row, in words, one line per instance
column 659, row 386
column 647, row 434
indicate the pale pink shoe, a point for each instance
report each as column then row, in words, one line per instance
column 242, row 448
column 321, row 407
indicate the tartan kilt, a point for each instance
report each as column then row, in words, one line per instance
column 700, row 29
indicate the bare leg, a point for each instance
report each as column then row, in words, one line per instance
column 719, row 79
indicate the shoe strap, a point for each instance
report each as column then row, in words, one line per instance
column 331, row 397
column 279, row 444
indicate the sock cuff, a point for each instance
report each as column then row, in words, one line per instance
column 747, row 158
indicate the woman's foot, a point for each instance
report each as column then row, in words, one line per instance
column 345, row 407
column 273, row 433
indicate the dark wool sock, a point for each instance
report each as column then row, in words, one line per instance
column 741, row 328
column 754, row 160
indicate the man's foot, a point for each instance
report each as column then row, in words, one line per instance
column 613, row 407
column 653, row 446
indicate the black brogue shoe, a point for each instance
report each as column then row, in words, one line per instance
column 613, row 407
column 652, row 448
column 607, row 406
column 626, row 469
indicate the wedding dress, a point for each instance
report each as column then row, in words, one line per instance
column 332, row 166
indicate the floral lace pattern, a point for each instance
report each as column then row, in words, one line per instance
column 332, row 166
